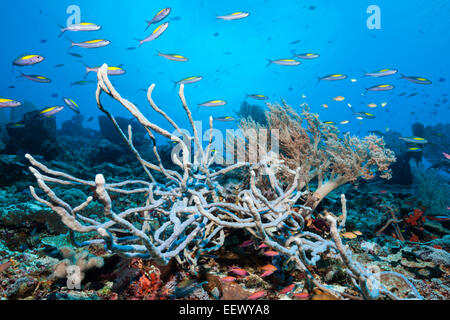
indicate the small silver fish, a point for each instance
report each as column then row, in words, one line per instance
column 257, row 96
column 36, row 78
column 90, row 44
column 83, row 26
column 51, row 111
column 72, row 105
column 213, row 103
column 381, row 87
column 306, row 56
column 155, row 34
column 173, row 57
column 380, row 73
column 188, row 80
column 160, row 16
column 284, row 62
column 333, row 77
column 112, row 71
column 225, row 119
column 234, row 16
column 28, row 60
column 418, row 80
column 9, row 103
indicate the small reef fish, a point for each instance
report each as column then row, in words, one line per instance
column 246, row 243
column 325, row 106
column 59, row 65
column 28, row 60
column 381, row 87
column 257, row 295
column 51, row 111
column 269, row 267
column 8, row 103
column 418, row 80
column 72, row 105
column 332, row 77
column 188, row 80
column 112, row 71
column 160, row 16
column 262, row 246
column 83, row 26
column 257, row 96
column 271, row 253
column 213, row 103
column 446, row 155
column 353, row 80
column 349, row 235
column 372, row 105
column 306, row 56
column 173, row 57
column 234, row 16
column 239, row 271
column 36, row 78
column 287, row 289
column 383, row 104
column 329, row 122
column 155, row 34
column 380, row 73
column 301, row 295
column 266, row 273
column 417, row 140
column 344, row 122
column 82, row 83
column 358, row 233
column 76, row 55
column 415, row 149
column 16, row 125
column 90, row 44
column 284, row 62
column 364, row 115
column 339, row 98
column 225, row 119
column 228, row 279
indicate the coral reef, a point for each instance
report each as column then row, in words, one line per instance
column 180, row 214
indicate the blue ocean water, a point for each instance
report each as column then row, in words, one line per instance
column 232, row 56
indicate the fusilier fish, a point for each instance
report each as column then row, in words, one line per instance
column 160, row 16
column 417, row 140
column 36, row 78
column 306, row 56
column 112, row 71
column 51, row 111
column 284, row 62
column 72, row 105
column 380, row 73
column 257, row 96
column 173, row 57
column 364, row 115
column 188, row 80
column 213, row 103
column 224, row 119
column 83, row 26
column 28, row 60
column 381, row 87
column 90, row 44
column 234, row 16
column 333, row 77
column 418, row 80
column 155, row 34
column 9, row 103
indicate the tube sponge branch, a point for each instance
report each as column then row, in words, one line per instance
column 187, row 212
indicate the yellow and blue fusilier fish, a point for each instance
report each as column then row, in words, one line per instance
column 380, row 73
column 213, row 103
column 225, row 119
column 418, row 80
column 257, row 96
column 416, row 140
column 160, row 16
column 329, row 122
column 9, row 103
column 173, row 57
column 364, row 115
column 112, row 71
column 90, row 44
column 51, row 111
column 381, row 87
column 306, row 56
column 284, row 62
column 415, row 149
column 234, row 16
column 36, row 78
column 16, row 125
column 28, row 60
column 333, row 77
column 188, row 80
column 155, row 34
column 72, row 105
column 77, row 27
